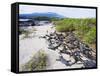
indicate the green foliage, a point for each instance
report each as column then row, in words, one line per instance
column 38, row 62
column 65, row 25
column 64, row 28
column 26, row 32
column 54, row 19
column 90, row 36
column 22, row 31
column 85, row 29
column 81, row 30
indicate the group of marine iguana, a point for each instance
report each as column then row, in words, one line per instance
column 69, row 44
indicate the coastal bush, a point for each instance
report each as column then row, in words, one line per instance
column 37, row 62
column 90, row 36
column 63, row 28
column 65, row 25
column 84, row 29
column 26, row 31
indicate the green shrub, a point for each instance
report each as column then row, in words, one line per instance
column 65, row 25
column 90, row 36
column 85, row 29
column 64, row 28
column 26, row 32
column 37, row 62
column 82, row 30
column 22, row 31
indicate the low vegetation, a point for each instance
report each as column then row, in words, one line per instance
column 85, row 29
column 37, row 62
column 90, row 36
column 26, row 32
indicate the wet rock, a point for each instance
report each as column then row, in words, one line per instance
column 76, row 43
column 68, row 45
column 60, row 48
column 76, row 55
column 87, row 51
column 53, row 46
column 89, row 63
column 84, row 47
column 66, row 56
column 64, row 61
column 64, row 49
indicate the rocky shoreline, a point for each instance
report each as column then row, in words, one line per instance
column 69, row 45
